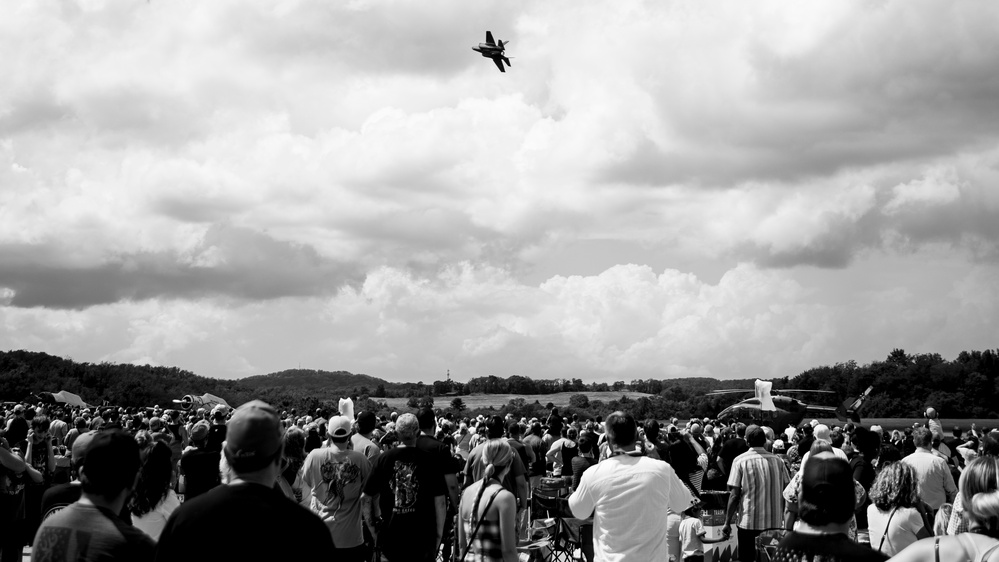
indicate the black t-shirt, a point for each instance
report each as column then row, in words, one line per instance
column 555, row 426
column 406, row 481
column 445, row 459
column 800, row 547
column 731, row 449
column 243, row 522
column 216, row 436
column 201, row 472
column 682, row 458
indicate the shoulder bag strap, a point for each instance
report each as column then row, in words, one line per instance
column 989, row 552
column 887, row 526
column 471, row 537
column 936, row 549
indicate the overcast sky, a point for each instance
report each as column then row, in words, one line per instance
column 653, row 189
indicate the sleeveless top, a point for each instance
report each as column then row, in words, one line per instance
column 568, row 453
column 487, row 545
column 970, row 549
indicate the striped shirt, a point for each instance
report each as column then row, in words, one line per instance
column 762, row 476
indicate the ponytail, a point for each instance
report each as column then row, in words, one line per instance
column 486, row 475
column 497, row 454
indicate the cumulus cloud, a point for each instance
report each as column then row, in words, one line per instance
column 280, row 155
column 229, row 262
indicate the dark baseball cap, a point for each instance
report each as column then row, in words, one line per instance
column 253, row 437
column 827, row 491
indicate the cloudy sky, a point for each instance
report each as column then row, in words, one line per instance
column 653, row 189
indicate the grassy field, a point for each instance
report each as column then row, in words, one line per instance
column 474, row 401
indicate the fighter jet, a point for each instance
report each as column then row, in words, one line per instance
column 491, row 50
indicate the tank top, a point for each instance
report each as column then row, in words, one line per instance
column 487, row 544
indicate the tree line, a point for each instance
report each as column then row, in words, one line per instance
column 904, row 384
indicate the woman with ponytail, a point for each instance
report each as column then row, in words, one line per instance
column 488, row 511
column 979, row 491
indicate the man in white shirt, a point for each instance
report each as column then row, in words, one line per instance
column 628, row 495
column 933, row 476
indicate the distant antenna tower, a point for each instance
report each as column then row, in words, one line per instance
column 449, row 375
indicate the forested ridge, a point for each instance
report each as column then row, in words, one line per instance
column 904, row 384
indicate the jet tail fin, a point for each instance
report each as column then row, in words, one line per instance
column 851, row 408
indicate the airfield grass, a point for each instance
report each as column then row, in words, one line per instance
column 561, row 400
column 476, row 401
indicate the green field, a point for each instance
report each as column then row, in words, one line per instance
column 475, row 401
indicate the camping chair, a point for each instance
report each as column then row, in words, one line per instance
column 551, row 512
column 766, row 544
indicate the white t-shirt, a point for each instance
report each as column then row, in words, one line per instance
column 673, row 535
column 153, row 522
column 904, row 525
column 629, row 497
column 336, row 479
column 690, row 542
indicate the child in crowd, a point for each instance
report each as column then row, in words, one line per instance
column 693, row 537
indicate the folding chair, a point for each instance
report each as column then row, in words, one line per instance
column 562, row 543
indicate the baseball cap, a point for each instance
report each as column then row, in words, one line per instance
column 19, row 408
column 827, row 494
column 79, row 452
column 339, row 427
column 200, row 430
column 813, row 423
column 253, row 436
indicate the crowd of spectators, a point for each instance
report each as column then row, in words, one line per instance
column 258, row 483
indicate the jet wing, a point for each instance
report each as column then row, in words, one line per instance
column 499, row 64
column 489, row 39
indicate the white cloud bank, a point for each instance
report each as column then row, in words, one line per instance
column 235, row 187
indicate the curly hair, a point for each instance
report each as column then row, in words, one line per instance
column 895, row 487
column 154, row 479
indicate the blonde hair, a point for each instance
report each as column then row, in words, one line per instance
column 979, row 487
column 497, row 454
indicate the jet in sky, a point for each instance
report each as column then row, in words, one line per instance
column 491, row 50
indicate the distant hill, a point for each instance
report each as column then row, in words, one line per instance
column 312, row 379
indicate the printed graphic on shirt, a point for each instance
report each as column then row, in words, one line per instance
column 337, row 475
column 405, row 487
column 54, row 544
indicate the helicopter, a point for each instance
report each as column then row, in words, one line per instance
column 778, row 410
